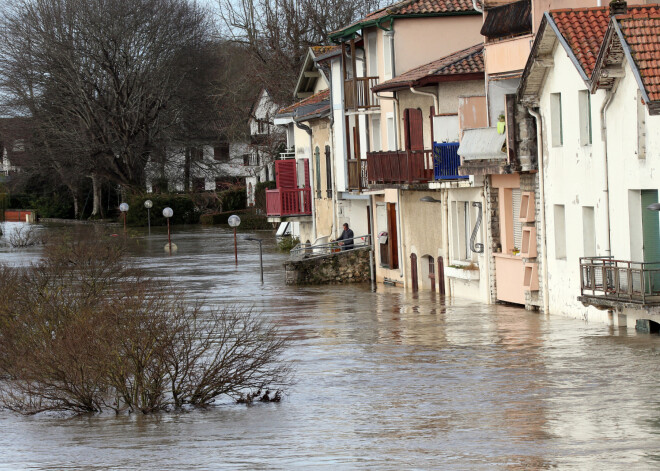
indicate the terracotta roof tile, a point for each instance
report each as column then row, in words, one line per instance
column 584, row 30
column 466, row 61
column 642, row 33
column 312, row 100
column 416, row 7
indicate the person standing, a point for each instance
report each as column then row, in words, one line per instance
column 347, row 238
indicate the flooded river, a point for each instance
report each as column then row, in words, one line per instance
column 385, row 380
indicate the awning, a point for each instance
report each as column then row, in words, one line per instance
column 481, row 144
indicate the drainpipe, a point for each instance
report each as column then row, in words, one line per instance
column 603, row 136
column 399, row 230
column 333, row 170
column 476, row 6
column 308, row 130
column 396, row 117
column 539, row 146
column 433, row 95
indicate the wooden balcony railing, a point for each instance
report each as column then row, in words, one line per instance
column 446, row 161
column 357, row 174
column 289, row 202
column 620, row 280
column 400, row 167
column 358, row 94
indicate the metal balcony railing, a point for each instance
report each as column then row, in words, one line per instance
column 446, row 161
column 288, row 154
column 308, row 251
column 620, row 280
column 358, row 94
column 400, row 167
column 289, row 202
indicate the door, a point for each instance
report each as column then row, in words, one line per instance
column 432, row 273
column 651, row 237
column 392, row 240
column 413, row 271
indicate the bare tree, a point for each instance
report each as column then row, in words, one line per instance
column 83, row 331
column 101, row 78
column 277, row 33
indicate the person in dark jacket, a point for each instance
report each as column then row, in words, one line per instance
column 347, row 238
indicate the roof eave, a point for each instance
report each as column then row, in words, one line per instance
column 631, row 60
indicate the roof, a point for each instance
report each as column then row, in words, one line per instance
column 481, row 144
column 312, row 100
column 407, row 8
column 642, row 34
column 313, row 112
column 464, row 62
column 508, row 20
column 321, row 50
column 584, row 29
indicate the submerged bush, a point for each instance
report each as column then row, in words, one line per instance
column 84, row 331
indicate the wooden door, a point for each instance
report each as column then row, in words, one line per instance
column 393, row 244
column 432, row 273
column 413, row 272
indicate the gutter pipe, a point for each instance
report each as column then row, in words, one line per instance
column 476, row 6
column 435, row 97
column 606, row 182
column 539, row 145
column 308, row 130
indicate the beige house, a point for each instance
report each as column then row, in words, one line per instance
column 383, row 150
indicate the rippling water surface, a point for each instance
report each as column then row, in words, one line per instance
column 385, row 380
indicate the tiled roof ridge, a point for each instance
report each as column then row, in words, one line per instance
column 604, row 8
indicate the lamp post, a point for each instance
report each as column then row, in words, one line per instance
column 234, row 221
column 148, row 204
column 168, row 213
column 124, row 209
column 261, row 259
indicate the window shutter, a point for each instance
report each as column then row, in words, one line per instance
column 285, row 173
column 517, row 225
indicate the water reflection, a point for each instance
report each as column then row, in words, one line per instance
column 386, row 380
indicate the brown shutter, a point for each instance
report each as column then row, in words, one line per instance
column 392, row 236
column 406, row 127
column 413, row 271
column 416, row 124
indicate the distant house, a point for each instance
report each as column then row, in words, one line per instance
column 15, row 136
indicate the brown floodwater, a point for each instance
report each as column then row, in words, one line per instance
column 385, row 380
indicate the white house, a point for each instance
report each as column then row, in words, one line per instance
column 590, row 83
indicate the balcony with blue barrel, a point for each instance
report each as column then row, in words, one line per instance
column 446, row 161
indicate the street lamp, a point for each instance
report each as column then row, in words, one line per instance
column 168, row 213
column 234, row 221
column 124, row 209
column 429, row 199
column 148, row 204
column 261, row 260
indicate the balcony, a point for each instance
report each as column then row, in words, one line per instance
column 289, row 202
column 605, row 282
column 446, row 161
column 250, row 160
column 400, row 167
column 288, row 154
column 357, row 174
column 358, row 94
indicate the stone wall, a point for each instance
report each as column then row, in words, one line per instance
column 338, row 268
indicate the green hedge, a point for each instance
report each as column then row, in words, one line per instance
column 185, row 211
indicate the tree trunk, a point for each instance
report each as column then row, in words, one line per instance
column 186, row 170
column 96, row 194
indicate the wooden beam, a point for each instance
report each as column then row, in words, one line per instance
column 312, row 74
column 612, row 72
column 544, row 61
column 304, row 94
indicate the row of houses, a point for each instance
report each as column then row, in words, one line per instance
column 498, row 151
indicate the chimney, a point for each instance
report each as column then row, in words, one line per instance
column 618, row 7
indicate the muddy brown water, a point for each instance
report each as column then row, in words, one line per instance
column 385, row 380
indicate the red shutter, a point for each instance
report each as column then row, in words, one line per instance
column 285, row 173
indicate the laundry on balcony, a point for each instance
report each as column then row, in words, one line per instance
column 482, row 144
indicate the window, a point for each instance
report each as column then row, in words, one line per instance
column 463, row 222
column 584, row 102
column 391, row 132
column 560, row 232
column 19, row 145
column 221, row 151
column 387, row 55
column 556, row 120
column 373, row 55
column 328, row 172
column 196, row 154
column 588, row 232
column 641, row 126
column 516, row 197
column 375, row 133
column 198, row 185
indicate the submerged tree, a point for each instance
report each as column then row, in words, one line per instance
column 83, row 331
